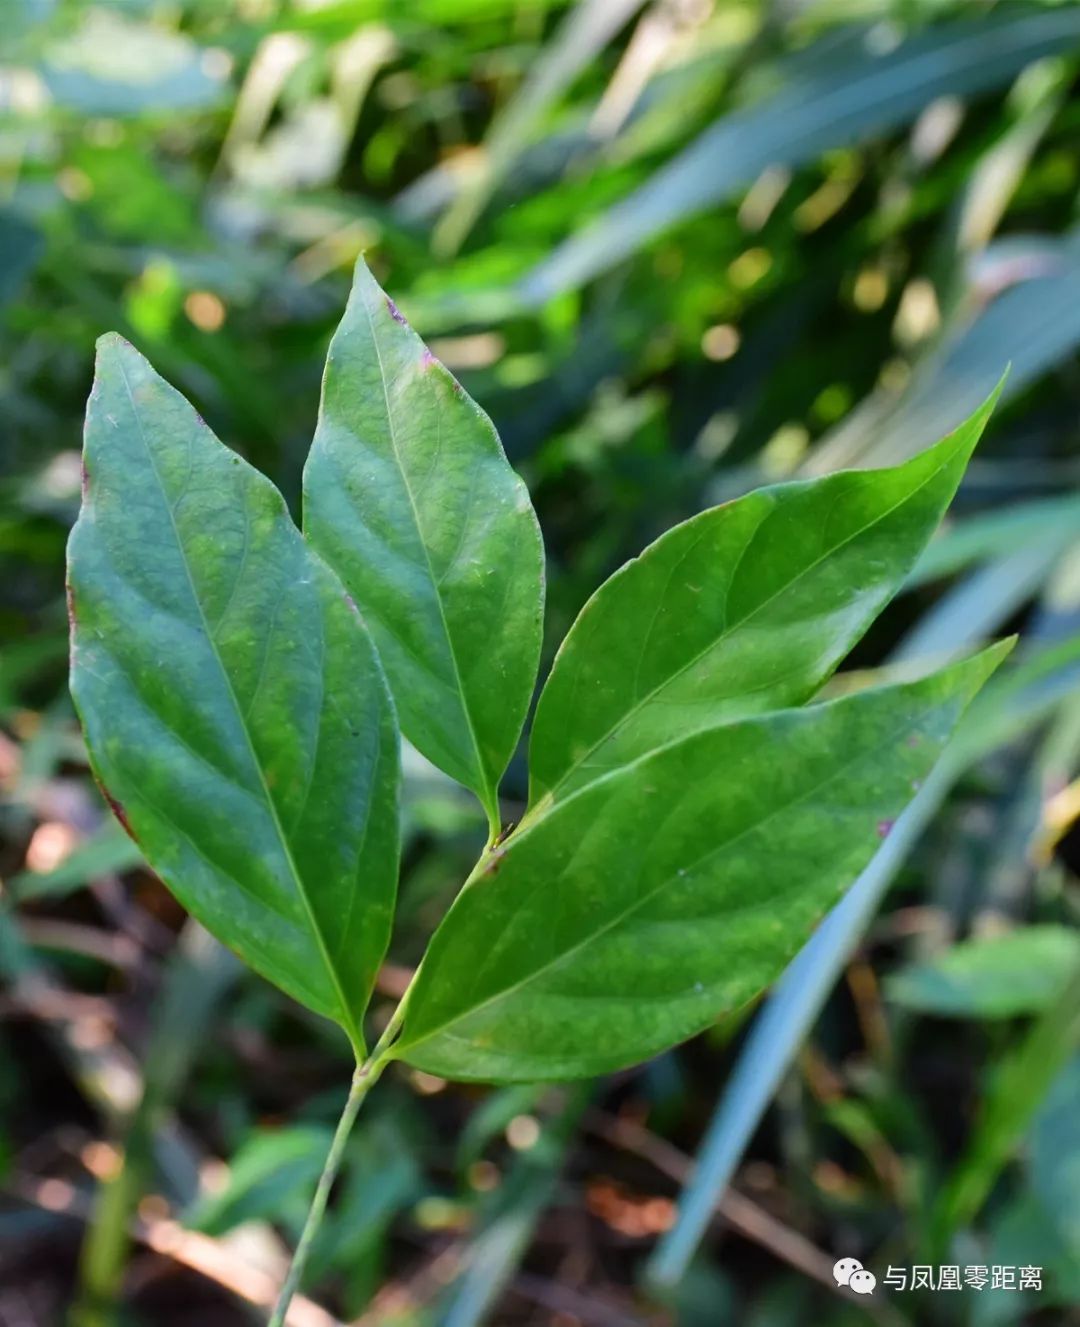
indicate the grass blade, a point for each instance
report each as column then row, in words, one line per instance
column 844, row 103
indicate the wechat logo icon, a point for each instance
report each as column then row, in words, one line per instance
column 851, row 1273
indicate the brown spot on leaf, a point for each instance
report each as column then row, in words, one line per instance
column 883, row 827
column 117, row 808
column 395, row 312
column 495, row 863
column 118, row 811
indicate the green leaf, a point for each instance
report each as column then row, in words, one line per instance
column 409, row 497
column 1022, row 972
column 742, row 609
column 1011, row 706
column 657, row 899
column 234, row 707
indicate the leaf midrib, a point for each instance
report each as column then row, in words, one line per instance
column 355, row 1036
column 628, row 911
column 485, row 789
column 551, row 795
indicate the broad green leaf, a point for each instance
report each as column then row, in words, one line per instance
column 668, row 894
column 1002, row 976
column 1011, row 706
column 742, row 609
column 234, row 707
column 409, row 497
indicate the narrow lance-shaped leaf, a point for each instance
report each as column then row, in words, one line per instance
column 826, row 103
column 234, row 707
column 409, row 497
column 674, row 890
column 742, row 609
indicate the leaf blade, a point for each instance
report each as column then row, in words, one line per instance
column 662, row 646
column 259, row 778
column 409, row 497
column 631, row 915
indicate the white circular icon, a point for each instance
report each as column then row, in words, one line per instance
column 862, row 1282
column 844, row 1269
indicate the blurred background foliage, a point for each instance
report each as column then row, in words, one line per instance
column 677, row 249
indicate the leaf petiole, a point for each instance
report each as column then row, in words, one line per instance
column 365, row 1076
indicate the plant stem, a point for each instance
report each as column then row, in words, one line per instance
column 364, row 1078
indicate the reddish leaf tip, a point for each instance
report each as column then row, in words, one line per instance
column 118, row 810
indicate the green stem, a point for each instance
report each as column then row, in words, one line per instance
column 494, row 819
column 364, row 1078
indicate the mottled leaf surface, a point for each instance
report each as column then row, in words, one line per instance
column 671, row 892
column 409, row 497
column 234, row 707
column 745, row 608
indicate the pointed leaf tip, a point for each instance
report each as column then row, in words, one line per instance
column 409, row 497
column 741, row 609
column 233, row 704
column 680, row 890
